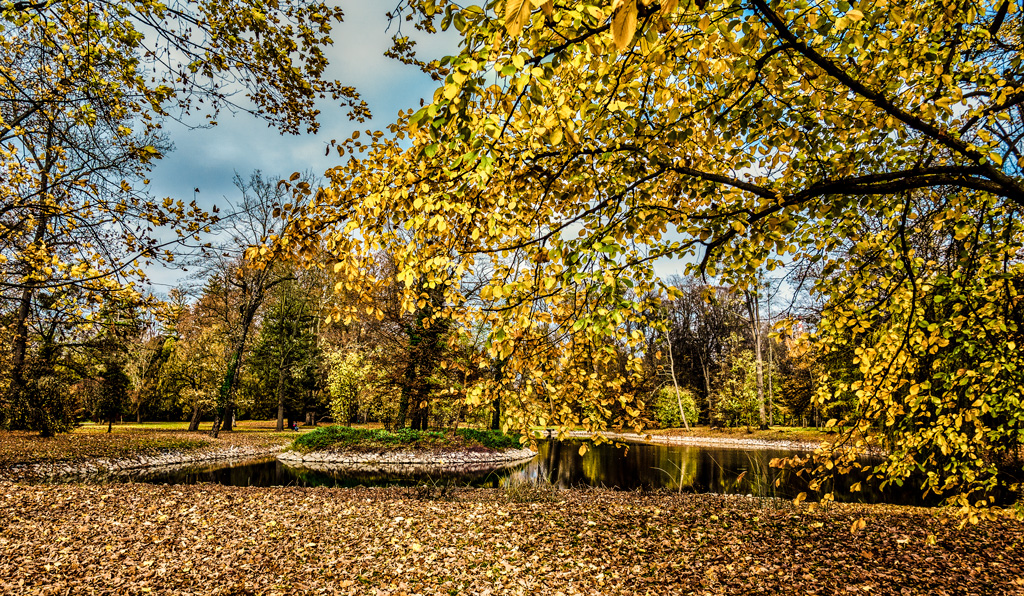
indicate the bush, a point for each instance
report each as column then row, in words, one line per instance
column 368, row 438
column 666, row 407
column 492, row 439
column 44, row 404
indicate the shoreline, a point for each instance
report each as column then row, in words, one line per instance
column 406, row 457
column 723, row 442
column 48, row 471
column 64, row 471
column 70, row 471
column 703, row 441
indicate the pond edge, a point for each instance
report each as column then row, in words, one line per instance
column 69, row 470
column 723, row 442
column 419, row 458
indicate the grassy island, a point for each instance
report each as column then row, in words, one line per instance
column 345, row 438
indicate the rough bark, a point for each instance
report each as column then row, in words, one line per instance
column 280, row 395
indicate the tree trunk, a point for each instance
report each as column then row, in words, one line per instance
column 196, row 415
column 408, row 393
column 20, row 344
column 754, row 310
column 229, row 417
column 17, row 385
column 228, row 388
column 499, row 370
column 707, row 386
column 675, row 383
column 496, row 414
column 280, row 396
column 760, row 385
column 20, row 347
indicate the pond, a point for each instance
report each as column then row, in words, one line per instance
column 636, row 466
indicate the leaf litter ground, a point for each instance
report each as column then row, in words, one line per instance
column 207, row 539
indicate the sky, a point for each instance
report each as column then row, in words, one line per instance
column 208, row 158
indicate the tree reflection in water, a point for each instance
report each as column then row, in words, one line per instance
column 632, row 466
column 684, row 468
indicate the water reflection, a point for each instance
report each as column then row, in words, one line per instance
column 687, row 468
column 271, row 472
column 683, row 468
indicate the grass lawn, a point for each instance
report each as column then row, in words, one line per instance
column 201, row 539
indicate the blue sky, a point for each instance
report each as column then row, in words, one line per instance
column 207, row 159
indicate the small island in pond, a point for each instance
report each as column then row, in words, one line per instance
column 346, row 445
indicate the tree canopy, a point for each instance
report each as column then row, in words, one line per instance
column 872, row 146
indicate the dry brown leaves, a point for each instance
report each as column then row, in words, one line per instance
column 135, row 539
column 82, row 444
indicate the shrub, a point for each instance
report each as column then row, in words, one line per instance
column 492, row 439
column 367, row 438
column 666, row 407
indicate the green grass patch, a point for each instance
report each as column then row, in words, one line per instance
column 362, row 439
column 491, row 439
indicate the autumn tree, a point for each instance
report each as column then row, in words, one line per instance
column 701, row 318
column 573, row 144
column 84, row 90
column 106, row 385
column 241, row 279
column 196, row 362
column 286, row 358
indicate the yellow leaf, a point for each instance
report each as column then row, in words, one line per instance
column 855, row 15
column 583, row 449
column 517, row 12
column 624, row 24
column 857, row 526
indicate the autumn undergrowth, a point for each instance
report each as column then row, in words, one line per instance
column 342, row 438
column 522, row 491
column 443, row 489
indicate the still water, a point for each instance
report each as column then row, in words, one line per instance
column 636, row 466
